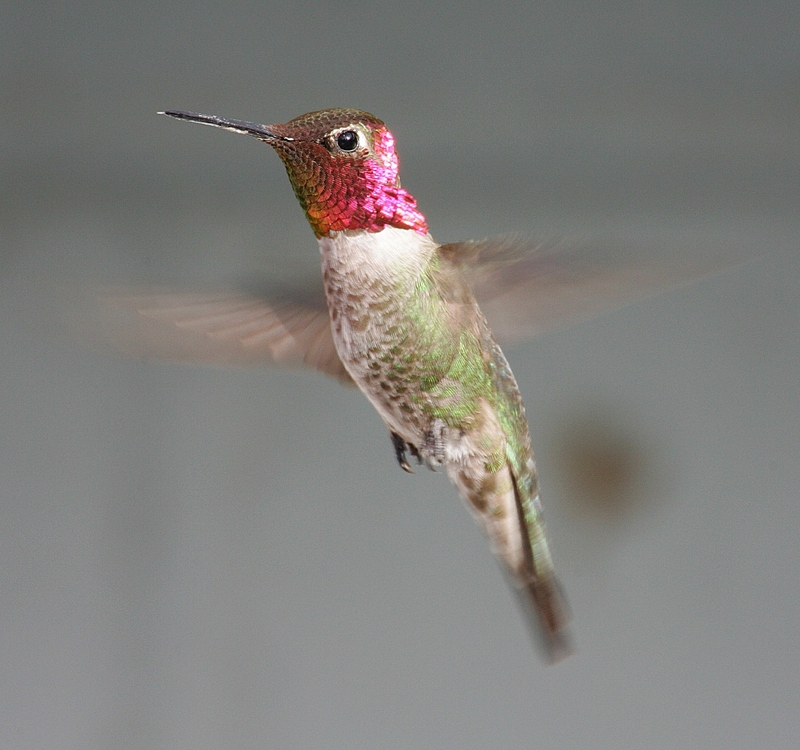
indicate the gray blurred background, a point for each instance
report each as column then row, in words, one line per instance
column 207, row 558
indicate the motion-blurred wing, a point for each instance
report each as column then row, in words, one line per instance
column 526, row 288
column 230, row 328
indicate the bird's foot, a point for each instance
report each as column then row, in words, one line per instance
column 400, row 449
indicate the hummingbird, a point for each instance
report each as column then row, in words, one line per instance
column 397, row 316
column 403, row 326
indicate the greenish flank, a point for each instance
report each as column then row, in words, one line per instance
column 446, row 364
column 449, row 370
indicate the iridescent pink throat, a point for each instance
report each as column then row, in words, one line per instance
column 340, row 193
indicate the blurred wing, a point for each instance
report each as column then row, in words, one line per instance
column 526, row 288
column 228, row 328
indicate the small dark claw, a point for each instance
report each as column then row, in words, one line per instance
column 400, row 447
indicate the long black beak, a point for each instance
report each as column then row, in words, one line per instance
column 262, row 132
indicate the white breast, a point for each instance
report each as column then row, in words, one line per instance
column 360, row 255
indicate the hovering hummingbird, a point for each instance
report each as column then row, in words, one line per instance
column 405, row 328
column 399, row 319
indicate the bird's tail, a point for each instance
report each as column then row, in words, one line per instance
column 511, row 517
column 540, row 593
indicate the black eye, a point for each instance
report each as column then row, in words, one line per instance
column 347, row 140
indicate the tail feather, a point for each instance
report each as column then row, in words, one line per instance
column 510, row 516
column 546, row 610
column 540, row 593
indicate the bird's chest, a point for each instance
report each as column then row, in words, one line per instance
column 371, row 285
column 369, row 317
column 371, row 279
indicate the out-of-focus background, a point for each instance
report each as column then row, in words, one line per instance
column 205, row 558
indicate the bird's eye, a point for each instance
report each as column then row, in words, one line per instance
column 347, row 140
